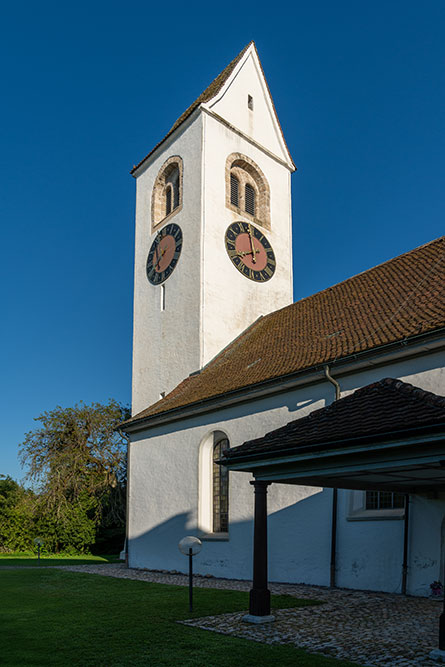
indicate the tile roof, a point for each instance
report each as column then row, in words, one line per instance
column 387, row 406
column 210, row 92
column 402, row 298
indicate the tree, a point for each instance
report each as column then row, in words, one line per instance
column 77, row 459
column 16, row 516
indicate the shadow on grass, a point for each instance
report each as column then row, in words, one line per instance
column 31, row 560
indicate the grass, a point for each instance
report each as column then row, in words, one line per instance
column 53, row 617
column 29, row 559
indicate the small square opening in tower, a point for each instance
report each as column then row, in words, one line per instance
column 250, row 102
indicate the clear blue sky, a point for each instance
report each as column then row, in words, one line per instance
column 89, row 88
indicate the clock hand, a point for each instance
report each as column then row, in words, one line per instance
column 254, row 250
column 159, row 259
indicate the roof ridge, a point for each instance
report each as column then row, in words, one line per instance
column 208, row 93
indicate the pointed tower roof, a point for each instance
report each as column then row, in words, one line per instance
column 209, row 93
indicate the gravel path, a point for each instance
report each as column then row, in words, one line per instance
column 369, row 628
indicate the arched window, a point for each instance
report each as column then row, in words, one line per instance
column 220, row 489
column 167, row 191
column 247, row 190
column 213, row 510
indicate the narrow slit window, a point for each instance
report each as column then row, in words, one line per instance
column 168, row 200
column 162, row 297
column 250, row 102
column 234, row 190
column 250, row 199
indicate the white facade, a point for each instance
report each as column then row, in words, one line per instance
column 167, row 498
column 207, row 301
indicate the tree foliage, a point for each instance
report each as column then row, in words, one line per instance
column 76, row 461
column 16, row 516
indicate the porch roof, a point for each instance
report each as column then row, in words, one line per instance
column 388, row 435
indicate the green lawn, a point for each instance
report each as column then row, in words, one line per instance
column 28, row 559
column 52, row 617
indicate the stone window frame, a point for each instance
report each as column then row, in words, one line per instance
column 248, row 172
column 158, row 197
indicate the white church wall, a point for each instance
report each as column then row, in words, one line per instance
column 164, row 500
column 166, row 344
column 230, row 301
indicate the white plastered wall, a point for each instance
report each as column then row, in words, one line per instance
column 230, row 301
column 166, row 344
column 164, row 500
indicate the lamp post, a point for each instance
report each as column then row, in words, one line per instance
column 39, row 543
column 190, row 546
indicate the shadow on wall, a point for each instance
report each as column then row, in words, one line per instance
column 298, row 550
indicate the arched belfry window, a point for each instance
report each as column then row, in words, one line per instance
column 167, row 191
column 220, row 489
column 247, row 190
column 213, row 511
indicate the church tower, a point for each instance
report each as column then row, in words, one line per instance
column 213, row 230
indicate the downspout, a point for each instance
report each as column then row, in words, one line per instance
column 332, row 581
column 329, row 377
column 405, row 545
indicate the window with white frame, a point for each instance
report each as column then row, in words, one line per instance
column 213, row 511
column 375, row 505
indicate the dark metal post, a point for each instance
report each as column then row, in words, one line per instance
column 405, row 545
column 38, row 552
column 442, row 623
column 334, row 537
column 190, row 579
column 259, row 594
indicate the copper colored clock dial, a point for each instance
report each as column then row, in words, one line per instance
column 250, row 251
column 164, row 253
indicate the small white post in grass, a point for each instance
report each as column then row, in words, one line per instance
column 190, row 546
column 39, row 542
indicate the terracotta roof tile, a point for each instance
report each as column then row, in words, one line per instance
column 387, row 406
column 391, row 302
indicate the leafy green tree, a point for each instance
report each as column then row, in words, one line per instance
column 17, row 506
column 77, row 460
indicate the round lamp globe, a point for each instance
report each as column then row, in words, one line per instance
column 188, row 543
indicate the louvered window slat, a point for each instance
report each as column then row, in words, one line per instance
column 176, row 196
column 250, row 199
column 168, row 200
column 234, row 190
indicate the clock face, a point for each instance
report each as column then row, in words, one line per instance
column 250, row 251
column 164, row 253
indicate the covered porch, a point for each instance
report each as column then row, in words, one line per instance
column 388, row 436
